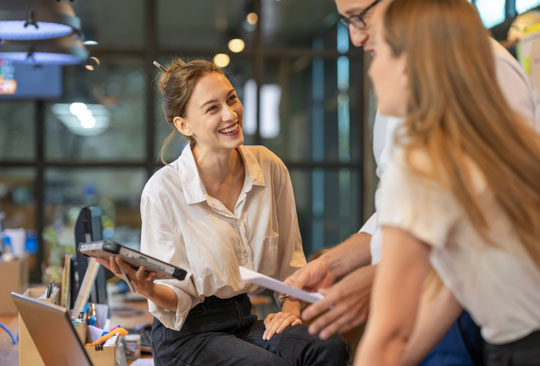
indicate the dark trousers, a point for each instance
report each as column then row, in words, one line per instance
column 523, row 352
column 225, row 332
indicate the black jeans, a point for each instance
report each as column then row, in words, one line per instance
column 523, row 352
column 225, row 332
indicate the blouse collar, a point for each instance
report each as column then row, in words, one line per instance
column 193, row 187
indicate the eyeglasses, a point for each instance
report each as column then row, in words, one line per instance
column 358, row 20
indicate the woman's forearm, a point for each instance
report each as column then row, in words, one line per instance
column 341, row 262
column 395, row 298
column 382, row 352
column 291, row 307
column 163, row 297
column 438, row 310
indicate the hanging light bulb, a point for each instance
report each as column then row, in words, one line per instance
column 252, row 18
column 222, row 59
column 236, row 45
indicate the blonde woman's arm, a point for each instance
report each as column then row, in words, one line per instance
column 396, row 298
column 439, row 309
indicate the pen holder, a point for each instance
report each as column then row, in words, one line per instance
column 101, row 356
column 81, row 329
column 28, row 353
column 107, row 356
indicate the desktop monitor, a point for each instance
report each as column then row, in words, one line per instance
column 88, row 227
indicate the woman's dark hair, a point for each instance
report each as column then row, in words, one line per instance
column 176, row 84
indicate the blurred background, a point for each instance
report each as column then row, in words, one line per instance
column 90, row 133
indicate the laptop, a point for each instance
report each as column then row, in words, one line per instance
column 52, row 332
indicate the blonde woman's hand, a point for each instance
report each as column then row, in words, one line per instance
column 275, row 323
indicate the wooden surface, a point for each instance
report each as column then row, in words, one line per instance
column 9, row 353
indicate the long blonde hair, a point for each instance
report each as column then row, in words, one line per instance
column 456, row 111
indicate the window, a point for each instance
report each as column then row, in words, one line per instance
column 524, row 5
column 18, row 130
column 301, row 86
column 114, row 97
column 492, row 12
column 116, row 191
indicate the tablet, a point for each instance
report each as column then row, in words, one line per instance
column 278, row 286
column 108, row 248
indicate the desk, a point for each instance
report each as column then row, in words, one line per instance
column 9, row 353
column 129, row 314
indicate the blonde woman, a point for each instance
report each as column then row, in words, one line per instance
column 462, row 193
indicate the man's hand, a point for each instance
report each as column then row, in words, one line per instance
column 314, row 276
column 344, row 306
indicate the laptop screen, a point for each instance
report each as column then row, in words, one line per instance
column 52, row 332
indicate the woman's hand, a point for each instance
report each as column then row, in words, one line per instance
column 277, row 322
column 142, row 281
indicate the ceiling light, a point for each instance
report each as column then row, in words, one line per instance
column 92, row 63
column 222, row 59
column 38, row 19
column 67, row 50
column 83, row 119
column 252, row 18
column 236, row 45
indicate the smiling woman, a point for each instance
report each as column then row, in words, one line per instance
column 218, row 206
column 213, row 112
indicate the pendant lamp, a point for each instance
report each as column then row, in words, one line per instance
column 37, row 19
column 67, row 50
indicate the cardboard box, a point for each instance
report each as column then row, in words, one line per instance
column 101, row 356
column 28, row 353
column 14, row 275
column 81, row 329
column 107, row 356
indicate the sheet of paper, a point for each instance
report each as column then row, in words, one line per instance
column 143, row 362
column 278, row 286
column 102, row 310
column 95, row 333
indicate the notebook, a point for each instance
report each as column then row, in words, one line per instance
column 52, row 332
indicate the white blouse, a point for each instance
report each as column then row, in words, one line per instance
column 183, row 225
column 519, row 93
column 498, row 285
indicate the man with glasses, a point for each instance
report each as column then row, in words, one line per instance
column 345, row 273
column 357, row 20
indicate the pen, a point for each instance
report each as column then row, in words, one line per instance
column 105, row 332
column 91, row 315
column 48, row 292
column 126, row 278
